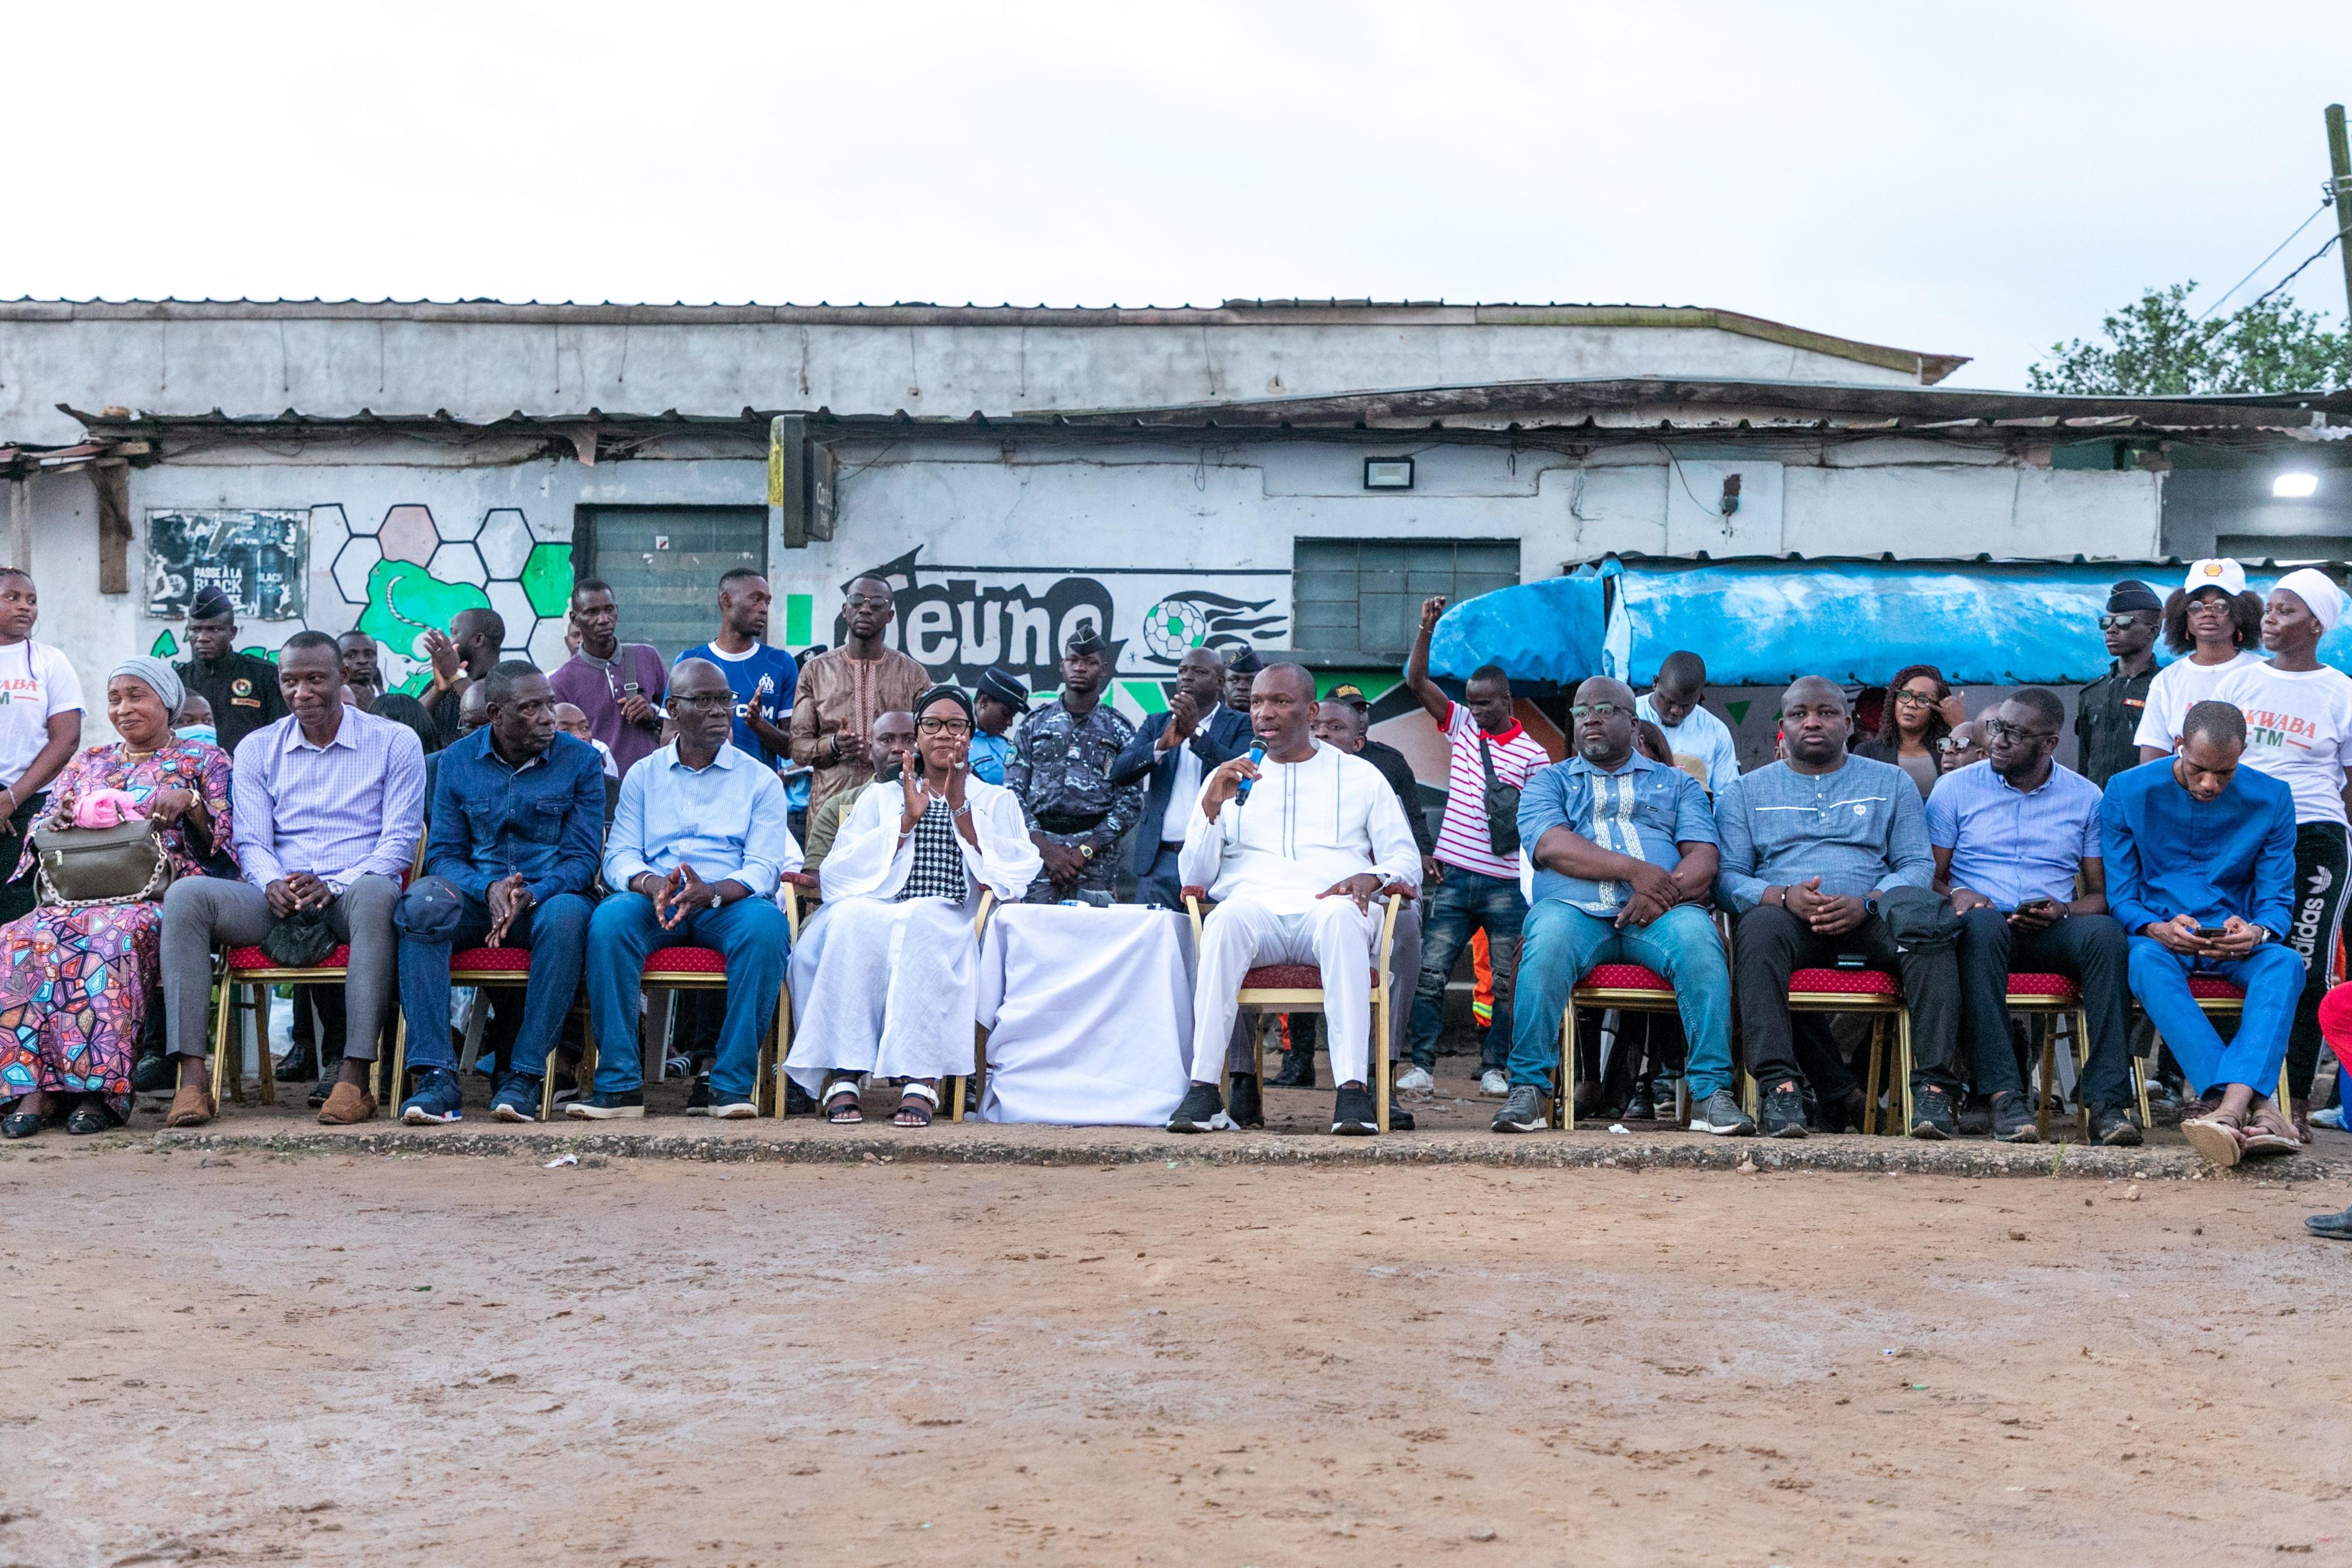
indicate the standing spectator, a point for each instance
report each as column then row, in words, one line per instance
column 363, row 674
column 2299, row 730
column 1342, row 721
column 1241, row 670
column 1061, row 770
column 1699, row 743
column 1477, row 853
column 619, row 685
column 1175, row 750
column 842, row 691
column 461, row 656
column 40, row 728
column 999, row 699
column 2214, row 619
column 242, row 689
column 2109, row 712
column 763, row 678
column 1920, row 712
column 1810, row 845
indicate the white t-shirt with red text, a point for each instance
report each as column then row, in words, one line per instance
column 1461, row 838
column 36, row 682
column 2298, row 730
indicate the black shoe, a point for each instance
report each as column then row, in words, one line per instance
column 798, row 1102
column 297, row 1063
column 698, row 1099
column 1523, row 1111
column 1353, row 1114
column 1641, row 1105
column 1814, row 1120
column 154, row 1075
column 1784, row 1112
column 1400, row 1121
column 2114, row 1126
column 567, row 1086
column 1203, row 1109
column 1931, row 1113
column 2334, row 1226
column 603, row 1107
column 2012, row 1118
column 1297, row 1071
column 1848, row 1113
column 320, row 1091
column 1247, row 1107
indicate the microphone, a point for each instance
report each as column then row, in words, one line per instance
column 1256, row 756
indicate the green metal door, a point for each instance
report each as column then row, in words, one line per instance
column 664, row 564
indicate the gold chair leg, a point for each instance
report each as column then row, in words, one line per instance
column 223, row 1016
column 268, row 1078
column 1380, row 1065
column 2049, row 1082
column 1872, row 1122
column 2078, row 1027
column 1568, row 1065
column 400, row 1062
column 1903, row 1065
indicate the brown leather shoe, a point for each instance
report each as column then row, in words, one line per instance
column 192, row 1106
column 347, row 1103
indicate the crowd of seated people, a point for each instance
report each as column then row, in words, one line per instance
column 626, row 802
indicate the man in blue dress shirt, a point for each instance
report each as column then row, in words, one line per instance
column 509, row 860
column 2200, row 870
column 699, row 844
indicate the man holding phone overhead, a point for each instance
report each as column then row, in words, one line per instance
column 2011, row 835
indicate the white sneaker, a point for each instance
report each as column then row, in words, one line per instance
column 1493, row 1085
column 1415, row 1080
column 2331, row 1117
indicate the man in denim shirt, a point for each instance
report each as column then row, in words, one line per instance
column 518, row 812
column 1624, row 854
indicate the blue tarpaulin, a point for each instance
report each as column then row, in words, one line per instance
column 1766, row 623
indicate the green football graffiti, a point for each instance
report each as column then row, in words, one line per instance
column 402, row 600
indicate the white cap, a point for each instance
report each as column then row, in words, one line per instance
column 2226, row 575
column 2319, row 594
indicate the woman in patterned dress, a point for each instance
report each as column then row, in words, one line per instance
column 74, row 983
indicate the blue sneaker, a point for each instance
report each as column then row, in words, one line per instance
column 437, row 1098
column 516, row 1099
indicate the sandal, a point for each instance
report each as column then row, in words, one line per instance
column 841, row 1107
column 915, row 1103
column 2270, row 1133
column 2218, row 1135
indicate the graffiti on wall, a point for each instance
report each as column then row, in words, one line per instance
column 261, row 559
column 394, row 576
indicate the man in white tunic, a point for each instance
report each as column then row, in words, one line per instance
column 885, row 979
column 1294, row 850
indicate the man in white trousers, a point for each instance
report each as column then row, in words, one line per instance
column 1295, row 850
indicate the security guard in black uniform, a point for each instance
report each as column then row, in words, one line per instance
column 2111, row 706
column 242, row 689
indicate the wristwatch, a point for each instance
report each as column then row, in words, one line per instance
column 2262, row 934
column 1085, row 851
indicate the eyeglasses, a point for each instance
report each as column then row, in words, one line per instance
column 1954, row 743
column 2117, row 623
column 1596, row 710
column 1910, row 698
column 709, row 702
column 943, row 726
column 868, row 602
column 1997, row 729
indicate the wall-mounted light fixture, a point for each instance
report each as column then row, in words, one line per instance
column 1387, row 473
column 2295, row 487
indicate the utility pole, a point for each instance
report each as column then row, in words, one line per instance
column 2340, row 159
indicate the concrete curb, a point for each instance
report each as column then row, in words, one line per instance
column 975, row 1144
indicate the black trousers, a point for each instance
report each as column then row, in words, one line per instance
column 18, row 897
column 2321, row 855
column 2093, row 948
column 1773, row 944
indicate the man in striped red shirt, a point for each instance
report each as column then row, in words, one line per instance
column 1476, row 881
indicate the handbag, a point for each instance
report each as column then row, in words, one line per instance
column 300, row 941
column 1502, row 807
column 80, row 867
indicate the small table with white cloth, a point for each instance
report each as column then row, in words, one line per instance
column 1089, row 1013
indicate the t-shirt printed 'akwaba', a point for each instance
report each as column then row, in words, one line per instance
column 2298, row 730
column 2178, row 687
column 36, row 682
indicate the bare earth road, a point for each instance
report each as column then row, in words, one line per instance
column 251, row 1358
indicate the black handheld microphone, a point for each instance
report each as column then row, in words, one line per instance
column 1256, row 756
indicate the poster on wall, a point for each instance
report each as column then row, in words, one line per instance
column 259, row 557
column 958, row 620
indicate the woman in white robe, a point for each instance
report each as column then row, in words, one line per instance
column 885, row 979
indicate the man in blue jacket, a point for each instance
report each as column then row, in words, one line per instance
column 2200, row 870
column 516, row 823
column 1178, row 748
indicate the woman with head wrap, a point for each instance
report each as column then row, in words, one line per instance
column 2299, row 730
column 75, row 981
column 884, row 977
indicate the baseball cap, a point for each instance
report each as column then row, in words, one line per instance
column 2226, row 575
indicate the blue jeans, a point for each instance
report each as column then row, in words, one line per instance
column 434, row 917
column 1564, row 944
column 752, row 935
column 2272, row 977
column 1465, row 902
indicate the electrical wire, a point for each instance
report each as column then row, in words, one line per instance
column 2326, row 202
column 2291, row 276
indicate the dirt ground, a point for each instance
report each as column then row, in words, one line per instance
column 259, row 1358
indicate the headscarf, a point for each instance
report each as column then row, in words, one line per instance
column 947, row 694
column 158, row 677
column 2319, row 594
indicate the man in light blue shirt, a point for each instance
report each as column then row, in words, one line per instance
column 2010, row 834
column 1624, row 856
column 698, row 842
column 1700, row 742
column 1809, row 846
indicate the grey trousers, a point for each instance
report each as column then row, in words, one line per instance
column 201, row 913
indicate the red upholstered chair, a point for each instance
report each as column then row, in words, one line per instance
column 2056, row 997
column 1298, row 988
column 1869, row 991
column 1628, row 988
column 256, row 972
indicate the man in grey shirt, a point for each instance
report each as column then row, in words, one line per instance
column 1808, row 844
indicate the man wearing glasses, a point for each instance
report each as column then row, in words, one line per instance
column 698, row 842
column 1625, row 854
column 2011, row 834
column 844, row 690
column 2109, row 713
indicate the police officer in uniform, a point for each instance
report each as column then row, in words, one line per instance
column 242, row 689
column 1060, row 768
column 2111, row 706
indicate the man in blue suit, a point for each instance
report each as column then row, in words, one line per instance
column 1178, row 748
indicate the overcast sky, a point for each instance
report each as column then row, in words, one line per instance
column 1976, row 181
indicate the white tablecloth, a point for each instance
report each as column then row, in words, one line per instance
column 1090, row 1014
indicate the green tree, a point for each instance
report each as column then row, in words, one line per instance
column 2154, row 347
